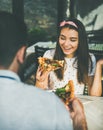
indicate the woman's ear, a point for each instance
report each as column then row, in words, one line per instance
column 21, row 54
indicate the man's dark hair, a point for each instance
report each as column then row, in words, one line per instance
column 13, row 35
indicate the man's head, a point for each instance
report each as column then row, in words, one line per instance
column 13, row 37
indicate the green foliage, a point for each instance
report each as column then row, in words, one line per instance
column 37, row 34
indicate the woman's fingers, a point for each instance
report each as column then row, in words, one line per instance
column 41, row 74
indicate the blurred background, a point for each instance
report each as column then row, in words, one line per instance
column 43, row 16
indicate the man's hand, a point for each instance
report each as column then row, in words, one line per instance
column 77, row 114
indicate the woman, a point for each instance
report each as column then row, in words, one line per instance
column 72, row 47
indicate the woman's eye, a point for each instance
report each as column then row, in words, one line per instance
column 62, row 38
column 73, row 40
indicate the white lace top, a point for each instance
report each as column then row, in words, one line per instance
column 70, row 73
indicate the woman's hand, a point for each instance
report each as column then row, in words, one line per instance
column 96, row 88
column 42, row 78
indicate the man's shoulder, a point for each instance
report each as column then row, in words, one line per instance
column 44, row 96
column 35, row 91
column 38, row 103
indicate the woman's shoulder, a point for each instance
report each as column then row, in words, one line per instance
column 91, row 54
column 93, row 58
column 49, row 53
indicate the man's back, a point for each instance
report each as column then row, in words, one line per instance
column 24, row 107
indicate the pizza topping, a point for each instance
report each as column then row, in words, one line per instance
column 50, row 64
column 66, row 92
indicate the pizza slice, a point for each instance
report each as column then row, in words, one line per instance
column 50, row 64
column 66, row 92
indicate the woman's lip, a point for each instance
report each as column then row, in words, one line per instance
column 67, row 48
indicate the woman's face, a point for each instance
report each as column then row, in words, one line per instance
column 68, row 41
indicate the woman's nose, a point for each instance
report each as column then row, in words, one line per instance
column 67, row 42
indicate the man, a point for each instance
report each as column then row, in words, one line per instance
column 25, row 107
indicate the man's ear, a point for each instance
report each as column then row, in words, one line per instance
column 21, row 54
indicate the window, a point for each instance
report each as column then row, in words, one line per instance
column 90, row 12
column 6, row 5
column 41, row 19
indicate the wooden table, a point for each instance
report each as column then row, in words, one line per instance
column 94, row 111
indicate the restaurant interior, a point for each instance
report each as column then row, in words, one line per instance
column 91, row 16
column 34, row 13
column 43, row 20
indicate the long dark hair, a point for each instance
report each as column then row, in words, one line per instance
column 82, row 54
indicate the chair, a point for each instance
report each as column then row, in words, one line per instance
column 39, row 51
column 28, row 68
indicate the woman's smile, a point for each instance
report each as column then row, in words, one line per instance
column 68, row 41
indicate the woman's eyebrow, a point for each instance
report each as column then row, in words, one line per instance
column 62, row 35
column 72, row 37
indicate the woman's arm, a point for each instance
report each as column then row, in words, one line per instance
column 42, row 76
column 96, row 87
